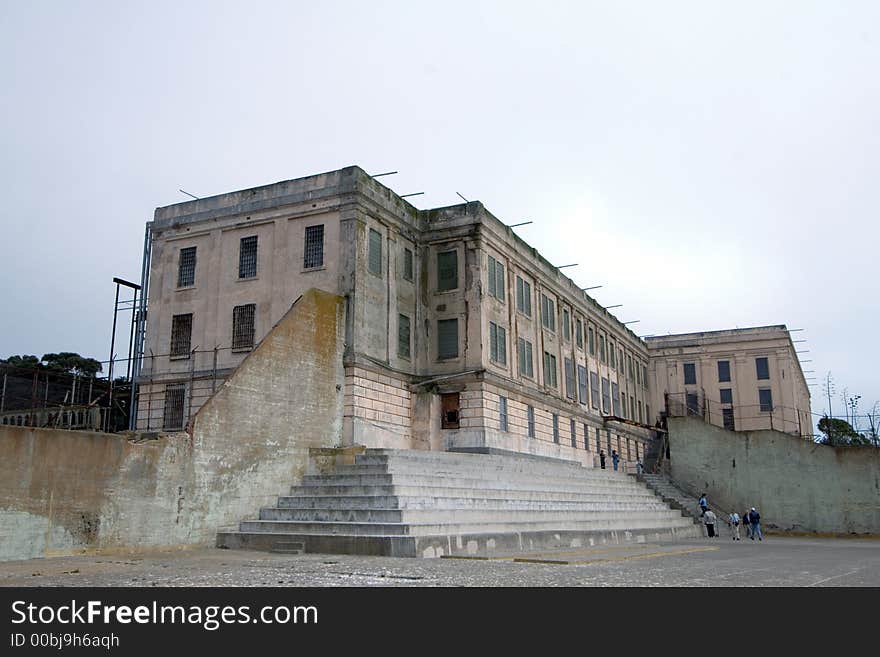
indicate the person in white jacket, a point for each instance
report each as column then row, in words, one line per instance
column 733, row 522
column 709, row 518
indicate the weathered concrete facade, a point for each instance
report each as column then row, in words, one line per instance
column 796, row 485
column 66, row 491
column 432, row 357
column 752, row 376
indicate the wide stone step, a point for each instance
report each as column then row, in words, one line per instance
column 477, row 482
column 477, row 463
column 390, row 497
column 449, row 489
column 443, row 515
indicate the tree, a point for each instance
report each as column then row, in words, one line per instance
column 840, row 432
column 72, row 363
column 24, row 362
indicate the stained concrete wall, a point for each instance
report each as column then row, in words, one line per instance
column 68, row 491
column 796, row 485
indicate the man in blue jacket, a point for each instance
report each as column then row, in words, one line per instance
column 755, row 524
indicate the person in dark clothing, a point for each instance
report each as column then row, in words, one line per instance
column 755, row 524
column 615, row 458
column 602, row 459
column 703, row 504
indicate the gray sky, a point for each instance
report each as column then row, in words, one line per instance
column 712, row 165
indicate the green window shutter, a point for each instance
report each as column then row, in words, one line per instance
column 447, row 270
column 447, row 338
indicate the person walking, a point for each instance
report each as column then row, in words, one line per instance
column 615, row 457
column 733, row 523
column 747, row 524
column 709, row 518
column 602, row 459
column 640, row 468
column 755, row 522
column 704, row 505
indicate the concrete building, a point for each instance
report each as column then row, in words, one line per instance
column 458, row 334
column 739, row 379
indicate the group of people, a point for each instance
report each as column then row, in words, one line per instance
column 751, row 519
column 615, row 460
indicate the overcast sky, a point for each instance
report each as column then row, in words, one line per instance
column 712, row 165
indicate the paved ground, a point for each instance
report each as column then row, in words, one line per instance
column 776, row 561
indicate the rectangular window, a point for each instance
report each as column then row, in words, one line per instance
column 247, row 257
column 548, row 313
column 623, row 404
column 555, row 428
column 594, row 390
column 524, row 349
column 612, row 350
column 181, row 335
column 550, row 370
column 629, row 362
column 496, row 279
column 647, row 414
column 641, row 417
column 530, row 413
column 523, row 297
column 313, row 253
column 726, row 395
column 447, row 338
column 586, row 437
column 632, row 407
column 727, row 417
column 243, row 327
column 723, row 371
column 502, row 413
column 175, row 395
column 606, row 396
column 693, row 404
column 582, row 384
column 407, row 265
column 591, row 341
column 570, row 392
column 645, row 377
column 579, row 333
column 763, row 369
column 566, row 325
column 766, row 399
column 404, row 336
column 598, row 440
column 497, row 344
column 602, row 348
column 615, row 399
column 186, row 267
column 374, row 253
column 574, row 433
column 690, row 374
column 447, row 271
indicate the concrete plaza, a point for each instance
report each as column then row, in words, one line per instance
column 703, row 562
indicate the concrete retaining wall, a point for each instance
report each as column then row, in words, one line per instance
column 63, row 492
column 796, row 485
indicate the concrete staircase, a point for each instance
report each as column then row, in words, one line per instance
column 429, row 504
column 677, row 498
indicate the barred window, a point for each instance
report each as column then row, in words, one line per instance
column 447, row 271
column 447, row 338
column 243, row 327
column 523, row 297
column 569, row 378
column 615, row 398
column 403, row 336
column 313, row 253
column 497, row 343
column 186, row 267
column 582, row 384
column 727, row 418
column 181, row 335
column 502, row 413
column 548, row 313
column 524, row 350
column 594, row 390
column 407, row 265
column 555, row 428
column 550, row 370
column 530, row 413
column 574, row 435
column 586, row 437
column 374, row 256
column 496, row 279
column 247, row 257
column 175, row 395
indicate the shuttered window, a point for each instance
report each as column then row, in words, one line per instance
column 447, row 338
column 548, row 313
column 497, row 343
column 569, row 378
column 579, row 333
column 594, row 390
column 447, row 271
column 374, row 255
column 615, row 399
column 496, row 279
column 523, row 297
column 403, row 336
column 606, row 396
column 582, row 384
column 566, row 324
column 591, row 341
column 526, row 364
column 550, row 370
